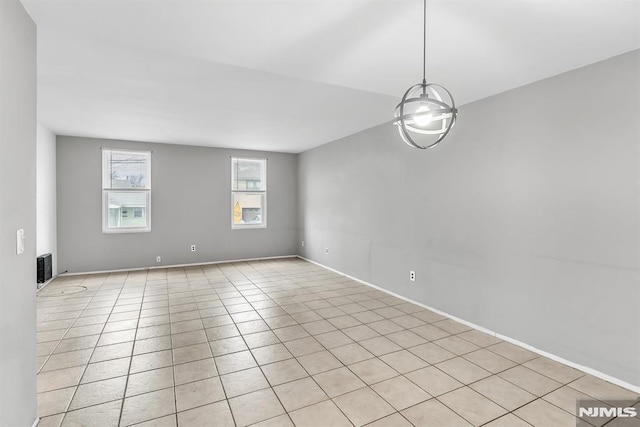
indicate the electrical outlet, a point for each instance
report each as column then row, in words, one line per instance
column 193, row 248
column 412, row 276
column 302, row 243
column 326, row 251
column 158, row 258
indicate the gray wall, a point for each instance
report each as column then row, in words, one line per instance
column 525, row 220
column 47, row 239
column 190, row 204
column 17, row 210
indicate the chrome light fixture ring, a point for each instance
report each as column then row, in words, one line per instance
column 401, row 118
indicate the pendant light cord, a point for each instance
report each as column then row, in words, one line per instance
column 424, row 45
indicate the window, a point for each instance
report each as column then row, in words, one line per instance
column 126, row 191
column 248, row 193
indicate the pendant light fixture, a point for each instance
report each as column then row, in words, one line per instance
column 427, row 111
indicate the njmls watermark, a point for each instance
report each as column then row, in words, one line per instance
column 597, row 413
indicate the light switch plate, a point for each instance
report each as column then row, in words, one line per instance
column 20, row 241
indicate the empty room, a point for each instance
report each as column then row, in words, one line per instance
column 319, row 213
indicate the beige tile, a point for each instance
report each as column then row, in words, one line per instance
column 345, row 321
column 408, row 321
column 489, row 360
column 166, row 421
column 529, row 380
column 261, row 339
column 55, row 401
column 252, row 327
column 148, row 406
column 431, row 353
column 221, row 332
column 54, row 335
column 198, row 393
column 319, row 362
column 463, row 370
column 51, row 421
column 372, row 371
column 243, row 382
column 99, row 392
column 270, row 354
column 103, row 415
column 283, row 371
column 602, row 390
column 333, row 339
column 502, row 392
column 566, row 397
column 480, row 339
column 554, row 370
column 303, row 346
column 110, row 352
column 318, row 327
column 300, row 393
column 363, row 406
column 235, row 362
column 290, row 333
column 117, row 337
column 542, row 413
column 149, row 361
column 451, row 326
column 325, row 414
column 183, row 339
column 367, row 316
column 77, row 343
column 406, row 339
column 512, row 352
column 67, row 360
column 433, row 380
column 194, row 371
column 279, row 421
column 204, row 415
column 430, row 332
column 472, row 406
column 61, row 378
column 152, row 344
column 186, row 326
column 191, row 353
column 508, row 420
column 434, row 413
column 338, row 381
column 380, row 345
column 254, row 407
column 153, row 331
column 400, row 392
column 385, row 327
column 147, row 381
column 403, row 361
column 360, row 333
column 456, row 345
column 81, row 331
column 394, row 420
column 227, row 345
column 351, row 353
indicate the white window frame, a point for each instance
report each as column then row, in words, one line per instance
column 263, row 192
column 106, row 189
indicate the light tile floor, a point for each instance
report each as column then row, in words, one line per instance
column 281, row 343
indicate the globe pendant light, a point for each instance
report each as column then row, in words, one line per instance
column 427, row 111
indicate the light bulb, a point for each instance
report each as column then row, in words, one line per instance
column 422, row 117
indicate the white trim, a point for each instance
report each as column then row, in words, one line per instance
column 156, row 267
column 35, row 423
column 585, row 369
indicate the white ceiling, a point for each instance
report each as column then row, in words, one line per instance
column 289, row 75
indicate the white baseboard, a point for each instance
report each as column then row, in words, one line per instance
column 35, row 423
column 585, row 369
column 157, row 267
